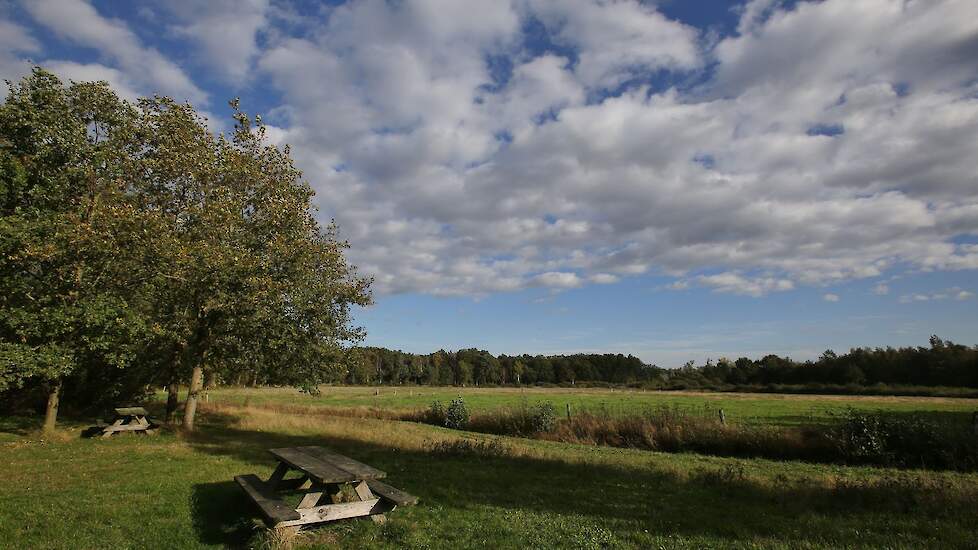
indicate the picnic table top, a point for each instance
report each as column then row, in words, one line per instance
column 325, row 466
column 131, row 411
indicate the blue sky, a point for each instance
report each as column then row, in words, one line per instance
column 677, row 180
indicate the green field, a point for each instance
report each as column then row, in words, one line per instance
column 753, row 408
column 175, row 491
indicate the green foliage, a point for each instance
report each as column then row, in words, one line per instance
column 435, row 414
column 132, row 239
column 905, row 440
column 457, row 414
column 543, row 417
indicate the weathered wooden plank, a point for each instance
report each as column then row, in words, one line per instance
column 332, row 512
column 313, row 496
column 363, row 491
column 392, row 494
column 131, row 411
column 361, row 470
column 274, row 509
column 318, row 470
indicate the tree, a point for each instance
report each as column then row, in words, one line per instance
column 70, row 242
column 132, row 237
column 250, row 281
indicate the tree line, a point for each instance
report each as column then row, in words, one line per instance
column 942, row 363
column 139, row 249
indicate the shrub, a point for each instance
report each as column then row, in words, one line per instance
column 457, row 414
column 435, row 414
column 543, row 417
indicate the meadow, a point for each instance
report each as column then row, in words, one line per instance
column 174, row 490
column 746, row 408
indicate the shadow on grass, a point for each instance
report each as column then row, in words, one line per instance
column 20, row 425
column 221, row 515
column 715, row 499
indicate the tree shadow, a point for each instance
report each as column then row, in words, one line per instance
column 716, row 498
column 221, row 515
column 20, row 425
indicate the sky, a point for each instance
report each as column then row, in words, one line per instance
column 678, row 180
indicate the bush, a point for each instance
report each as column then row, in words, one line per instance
column 543, row 417
column 457, row 415
column 435, row 414
column 909, row 441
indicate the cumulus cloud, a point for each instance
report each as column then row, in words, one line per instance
column 450, row 178
column 472, row 148
column 225, row 31
column 881, row 289
column 829, row 297
column 79, row 22
column 15, row 41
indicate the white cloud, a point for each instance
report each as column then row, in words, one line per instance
column 79, row 22
column 955, row 293
column 735, row 283
column 617, row 40
column 829, row 297
column 604, row 278
column 558, row 279
column 225, row 31
column 15, row 41
column 442, row 164
column 828, row 142
column 881, row 289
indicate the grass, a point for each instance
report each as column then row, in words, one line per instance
column 175, row 490
column 749, row 408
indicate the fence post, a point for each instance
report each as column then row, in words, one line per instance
column 723, row 418
column 568, row 411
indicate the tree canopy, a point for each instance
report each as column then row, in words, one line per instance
column 137, row 247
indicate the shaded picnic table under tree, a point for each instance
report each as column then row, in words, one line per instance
column 129, row 419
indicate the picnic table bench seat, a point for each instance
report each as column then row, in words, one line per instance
column 272, row 507
column 393, row 494
column 326, row 473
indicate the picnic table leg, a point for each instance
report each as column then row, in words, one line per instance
column 312, row 497
column 277, row 476
column 335, row 492
column 108, row 431
column 364, row 493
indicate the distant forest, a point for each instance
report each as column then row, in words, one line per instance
column 943, row 364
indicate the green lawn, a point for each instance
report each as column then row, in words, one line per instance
column 774, row 409
column 175, row 491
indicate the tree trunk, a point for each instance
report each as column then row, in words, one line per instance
column 172, row 401
column 51, row 412
column 190, row 409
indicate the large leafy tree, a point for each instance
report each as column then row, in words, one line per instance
column 252, row 282
column 133, row 237
column 70, row 242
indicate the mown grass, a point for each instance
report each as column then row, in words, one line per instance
column 477, row 491
column 750, row 408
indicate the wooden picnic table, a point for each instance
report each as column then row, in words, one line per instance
column 129, row 419
column 322, row 477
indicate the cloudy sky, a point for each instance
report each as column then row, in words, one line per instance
column 675, row 179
